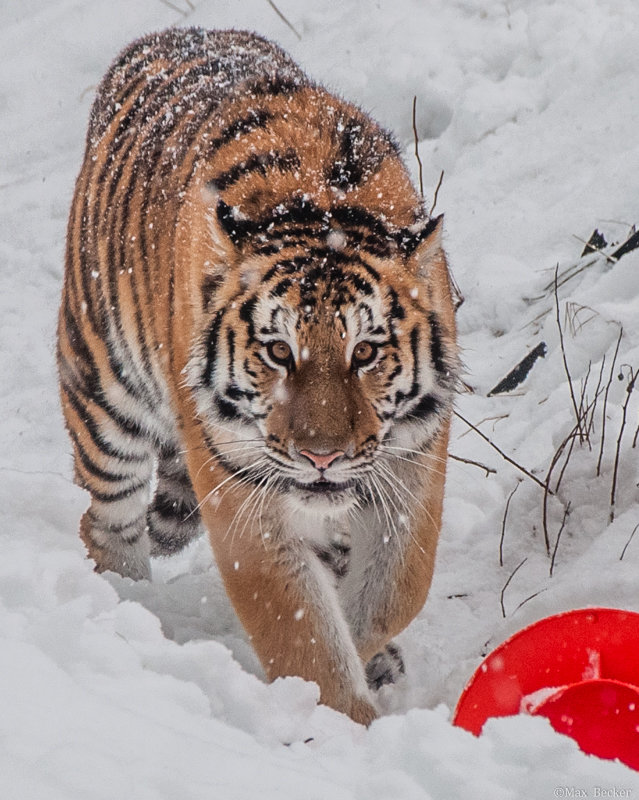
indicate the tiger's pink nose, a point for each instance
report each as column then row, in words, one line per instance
column 322, row 460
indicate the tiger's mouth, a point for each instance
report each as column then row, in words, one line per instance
column 323, row 496
column 323, row 486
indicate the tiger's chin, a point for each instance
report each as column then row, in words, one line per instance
column 322, row 498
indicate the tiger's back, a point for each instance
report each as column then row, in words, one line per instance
column 224, row 201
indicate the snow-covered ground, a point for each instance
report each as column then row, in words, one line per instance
column 150, row 690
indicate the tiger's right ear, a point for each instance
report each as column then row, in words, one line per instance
column 222, row 238
column 424, row 246
column 227, row 225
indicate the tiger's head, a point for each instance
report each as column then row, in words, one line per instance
column 326, row 344
column 327, row 335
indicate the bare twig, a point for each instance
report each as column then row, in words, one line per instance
column 623, row 552
column 174, row 7
column 568, row 275
column 465, row 388
column 565, row 359
column 503, row 526
column 523, row 602
column 501, row 452
column 284, row 19
column 436, row 195
column 573, row 438
column 573, row 310
column 563, row 278
column 544, row 505
column 591, row 422
column 587, row 413
column 416, row 138
column 561, row 529
column 584, row 407
column 488, row 470
column 485, row 419
column 582, row 394
column 536, row 320
column 624, row 411
column 503, row 591
column 570, row 438
column 605, row 404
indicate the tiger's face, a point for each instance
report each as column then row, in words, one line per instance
column 317, row 361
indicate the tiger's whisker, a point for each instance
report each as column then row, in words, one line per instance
column 430, row 456
column 415, row 463
column 388, row 475
column 225, row 481
column 407, row 512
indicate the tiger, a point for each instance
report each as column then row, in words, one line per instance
column 256, row 337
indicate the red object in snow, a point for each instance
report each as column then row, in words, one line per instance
column 579, row 669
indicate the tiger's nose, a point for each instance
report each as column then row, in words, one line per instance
column 322, row 460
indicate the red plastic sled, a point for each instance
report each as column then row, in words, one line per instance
column 579, row 669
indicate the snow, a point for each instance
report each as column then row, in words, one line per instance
column 111, row 688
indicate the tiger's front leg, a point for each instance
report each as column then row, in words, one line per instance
column 392, row 559
column 287, row 603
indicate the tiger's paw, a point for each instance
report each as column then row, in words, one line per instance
column 385, row 667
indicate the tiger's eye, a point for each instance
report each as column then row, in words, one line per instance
column 280, row 353
column 363, row 354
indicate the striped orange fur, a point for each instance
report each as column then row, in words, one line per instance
column 256, row 311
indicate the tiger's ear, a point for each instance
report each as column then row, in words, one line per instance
column 221, row 238
column 429, row 265
column 423, row 246
column 226, row 224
